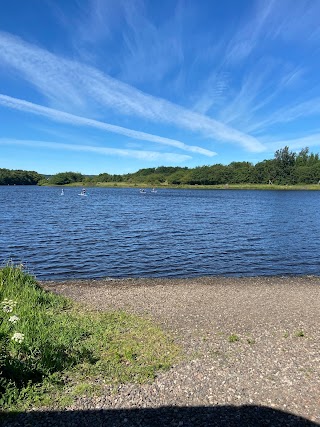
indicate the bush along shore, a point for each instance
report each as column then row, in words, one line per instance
column 287, row 168
column 53, row 350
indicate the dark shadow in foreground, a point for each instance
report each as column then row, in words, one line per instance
column 226, row 416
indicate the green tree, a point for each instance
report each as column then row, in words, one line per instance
column 62, row 178
column 179, row 177
column 303, row 157
column 265, row 172
column 219, row 174
column 285, row 165
column 19, row 177
column 241, row 172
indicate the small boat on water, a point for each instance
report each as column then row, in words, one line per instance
column 83, row 192
column 142, row 191
column 153, row 190
column 62, row 193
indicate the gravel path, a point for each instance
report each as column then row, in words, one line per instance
column 274, row 360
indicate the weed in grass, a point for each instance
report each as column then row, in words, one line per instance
column 251, row 341
column 286, row 335
column 233, row 338
column 53, row 342
column 86, row 389
column 300, row 333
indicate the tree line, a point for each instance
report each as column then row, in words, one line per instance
column 19, row 177
column 286, row 168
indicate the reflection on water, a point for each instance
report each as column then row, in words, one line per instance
column 180, row 233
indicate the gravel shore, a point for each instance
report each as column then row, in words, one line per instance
column 247, row 341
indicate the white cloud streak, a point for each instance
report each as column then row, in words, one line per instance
column 135, row 154
column 60, row 116
column 151, row 51
column 72, row 86
column 261, row 85
column 297, row 143
column 261, row 82
column 213, row 93
column 275, row 20
column 288, row 114
column 247, row 38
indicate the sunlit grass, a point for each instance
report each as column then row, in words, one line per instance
column 52, row 349
column 124, row 184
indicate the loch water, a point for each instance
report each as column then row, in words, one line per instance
column 118, row 232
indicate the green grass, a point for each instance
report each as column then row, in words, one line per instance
column 65, row 349
column 233, row 338
column 124, row 184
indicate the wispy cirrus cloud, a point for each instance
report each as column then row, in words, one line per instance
column 145, row 52
column 287, row 114
column 75, row 87
column 134, row 154
column 264, row 74
column 296, row 143
column 60, row 116
column 263, row 84
column 248, row 36
column 272, row 20
column 214, row 93
column 97, row 20
column 253, row 85
column 227, row 54
column 297, row 23
column 150, row 51
column 89, row 24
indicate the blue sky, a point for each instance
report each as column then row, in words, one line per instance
column 117, row 85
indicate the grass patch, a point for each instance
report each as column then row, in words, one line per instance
column 233, row 338
column 124, row 184
column 52, row 349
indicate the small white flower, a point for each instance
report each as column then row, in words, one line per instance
column 13, row 319
column 8, row 305
column 18, row 337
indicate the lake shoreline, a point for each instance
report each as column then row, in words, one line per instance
column 273, row 187
column 205, row 279
column 185, row 281
column 247, row 341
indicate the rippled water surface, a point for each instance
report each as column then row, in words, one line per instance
column 180, row 233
